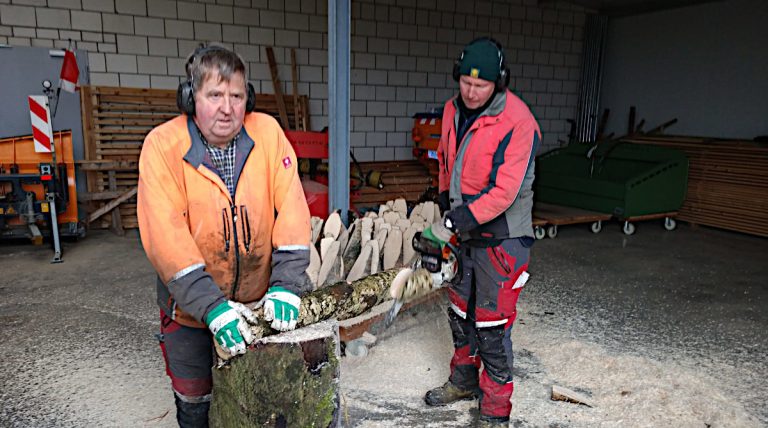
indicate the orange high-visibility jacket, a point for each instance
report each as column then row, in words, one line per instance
column 207, row 247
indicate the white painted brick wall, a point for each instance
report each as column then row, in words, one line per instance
column 120, row 24
column 149, row 26
column 402, row 51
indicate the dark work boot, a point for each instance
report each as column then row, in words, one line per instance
column 192, row 415
column 447, row 394
column 492, row 422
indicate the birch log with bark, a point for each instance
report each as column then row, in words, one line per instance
column 340, row 301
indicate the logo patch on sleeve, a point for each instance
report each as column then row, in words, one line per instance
column 287, row 162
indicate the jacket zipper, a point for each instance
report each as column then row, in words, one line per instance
column 237, row 251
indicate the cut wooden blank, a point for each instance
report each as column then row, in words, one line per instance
column 416, row 210
column 353, row 246
column 375, row 260
column 366, row 231
column 560, row 393
column 325, row 243
column 377, row 222
column 403, row 224
column 391, row 217
column 317, row 227
column 362, row 265
column 343, row 239
column 331, row 269
column 332, row 226
column 400, row 206
column 408, row 251
column 428, row 212
column 313, row 270
column 392, row 249
column 381, row 237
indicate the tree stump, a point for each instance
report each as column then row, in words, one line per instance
column 285, row 380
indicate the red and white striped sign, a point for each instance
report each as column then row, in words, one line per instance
column 41, row 123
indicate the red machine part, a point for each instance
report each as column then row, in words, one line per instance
column 426, row 138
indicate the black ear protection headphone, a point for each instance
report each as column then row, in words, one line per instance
column 185, row 95
column 502, row 82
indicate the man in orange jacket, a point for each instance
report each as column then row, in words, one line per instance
column 486, row 161
column 223, row 220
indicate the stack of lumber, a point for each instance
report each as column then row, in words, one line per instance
column 400, row 179
column 378, row 241
column 727, row 182
column 115, row 122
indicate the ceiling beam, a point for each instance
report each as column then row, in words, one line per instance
column 615, row 8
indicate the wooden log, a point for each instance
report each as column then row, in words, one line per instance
column 340, row 301
column 288, row 380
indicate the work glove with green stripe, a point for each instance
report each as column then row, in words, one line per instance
column 281, row 306
column 227, row 322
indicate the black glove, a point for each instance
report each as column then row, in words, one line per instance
column 460, row 220
column 442, row 201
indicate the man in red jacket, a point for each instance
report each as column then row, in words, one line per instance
column 486, row 159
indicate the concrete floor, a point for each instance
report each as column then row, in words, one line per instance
column 659, row 329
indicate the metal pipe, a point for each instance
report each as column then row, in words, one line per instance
column 338, row 105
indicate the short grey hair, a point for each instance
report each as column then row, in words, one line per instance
column 207, row 58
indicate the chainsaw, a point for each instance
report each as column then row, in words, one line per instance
column 436, row 263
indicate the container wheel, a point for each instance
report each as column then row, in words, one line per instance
column 669, row 223
column 629, row 228
column 552, row 231
column 539, row 232
column 596, row 227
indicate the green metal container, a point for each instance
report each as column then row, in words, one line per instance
column 623, row 179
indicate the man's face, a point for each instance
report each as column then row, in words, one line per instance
column 220, row 108
column 475, row 91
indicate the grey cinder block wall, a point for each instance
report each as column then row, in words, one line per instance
column 402, row 51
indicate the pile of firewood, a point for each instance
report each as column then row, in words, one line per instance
column 375, row 242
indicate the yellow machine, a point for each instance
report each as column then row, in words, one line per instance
column 37, row 191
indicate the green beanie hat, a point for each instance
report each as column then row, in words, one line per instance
column 481, row 59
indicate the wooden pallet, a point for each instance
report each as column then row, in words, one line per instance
column 727, row 182
column 547, row 218
column 115, row 122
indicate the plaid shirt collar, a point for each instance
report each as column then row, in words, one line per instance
column 224, row 161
